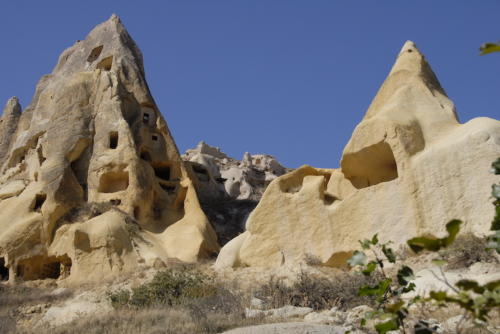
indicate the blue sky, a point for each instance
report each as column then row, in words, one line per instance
column 288, row 78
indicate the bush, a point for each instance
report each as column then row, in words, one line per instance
column 316, row 292
column 467, row 250
column 168, row 288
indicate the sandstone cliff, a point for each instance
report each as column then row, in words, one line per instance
column 91, row 181
column 408, row 169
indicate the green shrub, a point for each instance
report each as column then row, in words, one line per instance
column 168, row 288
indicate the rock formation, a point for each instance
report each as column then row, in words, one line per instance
column 230, row 189
column 91, row 181
column 8, row 125
column 221, row 175
column 408, row 169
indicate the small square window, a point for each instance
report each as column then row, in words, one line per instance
column 154, row 137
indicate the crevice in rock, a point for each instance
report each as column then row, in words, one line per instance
column 4, row 271
column 80, row 168
column 38, row 202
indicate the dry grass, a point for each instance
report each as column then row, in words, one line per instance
column 172, row 320
column 14, row 297
column 319, row 293
column 467, row 250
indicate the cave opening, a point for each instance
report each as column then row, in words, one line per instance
column 113, row 140
column 112, row 182
column 39, row 200
column 105, row 64
column 372, row 165
column 145, row 156
column 4, row 271
column 95, row 53
column 162, row 172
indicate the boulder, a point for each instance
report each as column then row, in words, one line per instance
column 91, row 183
column 408, row 169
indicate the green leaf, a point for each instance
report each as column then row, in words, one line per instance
column 389, row 254
column 409, row 287
column 491, row 286
column 419, row 244
column 438, row 295
column 363, row 322
column 387, row 326
column 495, row 224
column 405, row 275
column 495, row 167
column 358, row 259
column 375, row 239
column 376, row 290
column 394, row 308
column 439, row 262
column 495, row 191
column 467, row 285
column 489, row 48
column 365, row 244
column 453, row 227
column 494, row 242
column 370, row 267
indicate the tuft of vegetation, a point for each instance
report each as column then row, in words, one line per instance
column 196, row 301
column 318, row 293
column 168, row 288
column 467, row 250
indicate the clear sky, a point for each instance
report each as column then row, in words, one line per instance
column 287, row 78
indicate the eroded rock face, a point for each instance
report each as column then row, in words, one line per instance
column 408, row 169
column 92, row 182
column 8, row 125
column 230, row 189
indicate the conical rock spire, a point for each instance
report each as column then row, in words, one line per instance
column 92, row 184
column 407, row 170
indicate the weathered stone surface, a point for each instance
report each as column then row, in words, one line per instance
column 220, row 175
column 230, row 189
column 106, row 189
column 408, row 169
column 8, row 125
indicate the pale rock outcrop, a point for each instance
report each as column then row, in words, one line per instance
column 92, row 184
column 230, row 189
column 8, row 125
column 408, row 169
column 220, row 175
